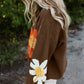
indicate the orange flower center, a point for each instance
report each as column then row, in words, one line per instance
column 39, row 72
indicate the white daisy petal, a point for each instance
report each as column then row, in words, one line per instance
column 32, row 65
column 36, row 62
column 32, row 72
column 35, row 78
column 45, row 70
column 43, row 64
column 43, row 78
column 39, row 82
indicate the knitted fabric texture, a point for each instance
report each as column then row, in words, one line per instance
column 46, row 50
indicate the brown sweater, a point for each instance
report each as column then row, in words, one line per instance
column 46, row 49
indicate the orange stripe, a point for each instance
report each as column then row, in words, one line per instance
column 34, row 33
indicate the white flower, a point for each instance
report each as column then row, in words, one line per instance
column 39, row 71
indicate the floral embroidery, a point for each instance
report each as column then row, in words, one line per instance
column 39, row 71
column 32, row 41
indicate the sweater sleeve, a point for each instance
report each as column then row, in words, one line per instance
column 47, row 39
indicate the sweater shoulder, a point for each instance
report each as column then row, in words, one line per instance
column 46, row 17
column 51, row 24
column 46, row 14
column 48, row 23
